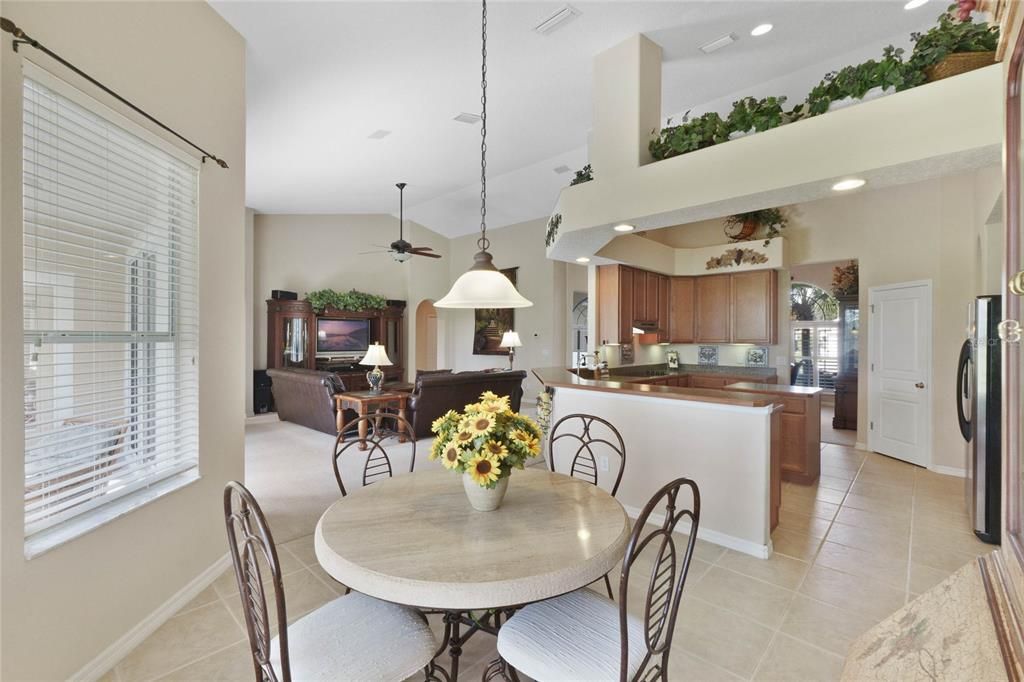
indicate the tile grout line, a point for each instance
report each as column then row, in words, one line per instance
column 185, row 665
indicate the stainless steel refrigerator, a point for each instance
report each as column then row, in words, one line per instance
column 978, row 383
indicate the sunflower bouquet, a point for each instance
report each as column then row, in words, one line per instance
column 486, row 441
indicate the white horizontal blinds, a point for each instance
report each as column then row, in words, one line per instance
column 111, row 325
column 816, row 350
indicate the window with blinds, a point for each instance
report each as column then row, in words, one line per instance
column 816, row 354
column 110, row 310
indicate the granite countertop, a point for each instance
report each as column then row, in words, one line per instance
column 779, row 389
column 561, row 377
column 645, row 371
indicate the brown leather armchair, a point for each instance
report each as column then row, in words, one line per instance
column 305, row 396
column 435, row 394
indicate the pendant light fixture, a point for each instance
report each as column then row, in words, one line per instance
column 483, row 285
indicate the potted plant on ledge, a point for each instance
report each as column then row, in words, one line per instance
column 956, row 45
column 742, row 226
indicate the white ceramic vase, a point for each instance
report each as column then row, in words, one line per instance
column 484, row 499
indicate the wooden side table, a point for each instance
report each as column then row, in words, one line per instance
column 362, row 402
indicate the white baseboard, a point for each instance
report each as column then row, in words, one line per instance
column 948, row 471
column 112, row 655
column 860, row 446
column 714, row 536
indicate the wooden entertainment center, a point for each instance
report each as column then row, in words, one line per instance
column 291, row 339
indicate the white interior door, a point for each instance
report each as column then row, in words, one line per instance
column 899, row 374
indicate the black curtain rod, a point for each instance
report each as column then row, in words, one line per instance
column 22, row 38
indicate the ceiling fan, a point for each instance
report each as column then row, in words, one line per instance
column 400, row 249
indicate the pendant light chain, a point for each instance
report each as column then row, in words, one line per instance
column 483, row 242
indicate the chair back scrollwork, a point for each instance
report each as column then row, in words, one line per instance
column 586, row 437
column 377, row 464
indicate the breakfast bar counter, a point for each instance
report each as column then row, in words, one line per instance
column 728, row 442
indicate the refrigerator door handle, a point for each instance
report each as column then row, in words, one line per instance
column 963, row 369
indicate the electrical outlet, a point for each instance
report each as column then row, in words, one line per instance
column 602, row 463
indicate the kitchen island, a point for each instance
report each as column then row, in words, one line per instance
column 726, row 441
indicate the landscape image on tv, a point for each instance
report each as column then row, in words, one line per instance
column 342, row 336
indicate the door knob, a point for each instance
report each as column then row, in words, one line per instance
column 919, row 384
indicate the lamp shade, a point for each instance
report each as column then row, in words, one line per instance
column 483, row 286
column 375, row 356
column 510, row 339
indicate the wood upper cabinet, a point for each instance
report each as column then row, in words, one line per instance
column 653, row 308
column 615, row 289
column 681, row 316
column 754, row 307
column 664, row 319
column 639, row 294
column 713, row 300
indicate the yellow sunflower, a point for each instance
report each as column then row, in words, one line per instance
column 488, row 395
column 481, row 424
column 492, row 407
column 471, row 408
column 450, row 455
column 495, row 449
column 463, row 438
column 527, row 440
column 483, row 469
column 436, row 425
column 435, row 449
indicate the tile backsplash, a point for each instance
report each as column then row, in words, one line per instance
column 733, row 355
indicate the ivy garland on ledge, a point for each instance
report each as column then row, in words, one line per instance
column 953, row 35
column 348, row 300
column 552, row 231
column 585, row 174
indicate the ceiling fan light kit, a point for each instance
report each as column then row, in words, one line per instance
column 483, row 285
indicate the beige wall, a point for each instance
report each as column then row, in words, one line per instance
column 542, row 327
column 303, row 253
column 182, row 62
column 934, row 230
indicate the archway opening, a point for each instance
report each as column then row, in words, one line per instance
column 426, row 335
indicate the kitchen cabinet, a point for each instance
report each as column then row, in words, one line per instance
column 713, row 296
column 681, row 317
column 664, row 320
column 615, row 302
column 639, row 295
column 754, row 307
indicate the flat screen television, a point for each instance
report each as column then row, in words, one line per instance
column 339, row 336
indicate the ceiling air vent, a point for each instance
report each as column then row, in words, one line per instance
column 471, row 119
column 379, row 134
column 562, row 169
column 718, row 43
column 560, row 18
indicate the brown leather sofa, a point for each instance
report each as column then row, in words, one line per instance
column 304, row 396
column 435, row 394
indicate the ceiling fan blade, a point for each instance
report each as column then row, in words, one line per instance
column 421, row 248
column 428, row 255
column 365, row 253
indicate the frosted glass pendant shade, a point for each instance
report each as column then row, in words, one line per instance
column 483, row 286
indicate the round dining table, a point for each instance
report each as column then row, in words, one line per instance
column 415, row 540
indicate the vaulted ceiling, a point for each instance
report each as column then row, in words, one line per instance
column 322, row 77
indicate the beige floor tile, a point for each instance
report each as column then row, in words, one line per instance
column 893, row 506
column 682, row 665
column 749, row 597
column 326, row 578
column 796, row 545
column 899, row 484
column 789, row 660
column 947, row 518
column 890, row 494
column 939, row 557
column 207, row 596
column 778, row 569
column 862, row 518
column 851, row 592
column 302, row 549
column 813, row 507
column 885, row 541
column 111, row 676
column 720, row 637
column 233, row 664
column 871, row 565
column 824, row 625
column 303, row 593
column 803, row 523
column 924, row 578
column 181, row 640
column 967, row 543
column 840, row 483
column 841, row 471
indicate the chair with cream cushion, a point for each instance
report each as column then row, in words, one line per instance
column 586, row 636
column 354, row 637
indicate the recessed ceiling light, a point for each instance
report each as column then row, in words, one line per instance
column 914, row 4
column 379, row 134
column 562, row 16
column 846, row 185
column 471, row 119
column 582, row 259
column 718, row 43
column 623, row 228
column 761, row 29
column 562, row 169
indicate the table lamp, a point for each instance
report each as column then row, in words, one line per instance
column 510, row 340
column 376, row 356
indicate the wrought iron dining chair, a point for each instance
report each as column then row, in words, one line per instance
column 594, row 439
column 377, row 465
column 534, row 640
column 336, row 641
